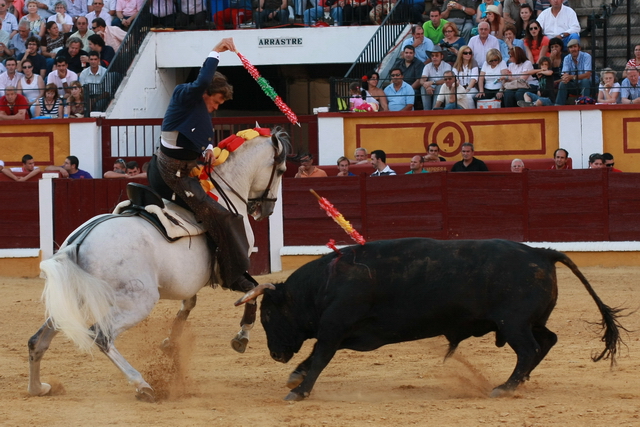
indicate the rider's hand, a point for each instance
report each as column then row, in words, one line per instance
column 225, row 45
column 208, row 157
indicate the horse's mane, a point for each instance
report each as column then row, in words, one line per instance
column 281, row 135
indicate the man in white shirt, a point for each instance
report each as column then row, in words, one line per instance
column 560, row 21
column 11, row 77
column 481, row 43
column 62, row 77
column 99, row 11
column 452, row 96
column 432, row 77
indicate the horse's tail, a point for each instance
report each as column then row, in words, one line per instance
column 75, row 300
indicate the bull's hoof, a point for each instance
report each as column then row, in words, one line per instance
column 295, row 379
column 146, row 394
column 44, row 390
column 501, row 392
column 294, row 397
column 239, row 344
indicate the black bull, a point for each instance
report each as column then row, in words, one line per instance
column 408, row 289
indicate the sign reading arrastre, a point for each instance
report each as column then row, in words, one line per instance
column 279, row 41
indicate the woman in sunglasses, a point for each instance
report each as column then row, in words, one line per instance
column 490, row 83
column 466, row 70
column 30, row 85
column 536, row 43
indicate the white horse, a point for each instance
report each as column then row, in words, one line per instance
column 111, row 287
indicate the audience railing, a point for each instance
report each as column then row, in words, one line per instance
column 601, row 20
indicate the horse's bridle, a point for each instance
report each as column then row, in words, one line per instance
column 254, row 203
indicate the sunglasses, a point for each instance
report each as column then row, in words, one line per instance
column 466, row 53
column 94, row 28
column 120, row 161
column 28, row 67
column 533, row 28
column 610, row 165
column 493, row 61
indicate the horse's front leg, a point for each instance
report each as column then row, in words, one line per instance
column 168, row 345
column 240, row 341
column 38, row 345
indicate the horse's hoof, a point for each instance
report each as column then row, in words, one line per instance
column 239, row 344
column 294, row 397
column 167, row 347
column 501, row 392
column 44, row 390
column 294, row 380
column 146, row 394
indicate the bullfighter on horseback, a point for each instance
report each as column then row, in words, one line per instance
column 186, row 134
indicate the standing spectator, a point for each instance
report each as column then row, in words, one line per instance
column 451, row 42
column 490, row 83
column 75, row 103
column 49, row 105
column 517, row 165
column 112, row 36
column 537, row 44
column 416, row 166
column 461, row 13
column 400, row 95
column 511, row 10
column 51, row 44
column 77, row 8
column 99, row 11
column 576, row 73
column 33, row 19
column 411, row 69
column 379, row 163
column 91, row 76
column 609, row 90
column 127, row 10
column 9, row 20
column 608, row 162
column 13, row 106
column 107, row 53
column 32, row 54
column 18, row 43
column 192, row 13
column 11, row 77
column 28, row 167
column 328, row 10
column 370, row 84
column 61, row 77
column 452, row 96
column 468, row 162
column 519, row 71
column 307, row 169
column 133, row 170
column 238, row 12
column 272, row 10
column 356, row 12
column 434, row 27
column 524, row 20
column 119, row 170
column 70, row 169
column 433, row 78
column 596, row 161
column 560, row 21
column 422, row 45
column 466, row 70
column 483, row 43
column 74, row 54
column 8, row 172
column 434, row 150
column 31, row 85
column 560, row 157
column 83, row 32
column 630, row 88
column 361, row 156
column 343, row 167
column 61, row 17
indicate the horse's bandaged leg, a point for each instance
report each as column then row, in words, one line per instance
column 249, row 316
column 38, row 345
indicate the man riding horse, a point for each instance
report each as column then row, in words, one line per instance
column 186, row 134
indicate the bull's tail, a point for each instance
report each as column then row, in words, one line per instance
column 74, row 299
column 611, row 337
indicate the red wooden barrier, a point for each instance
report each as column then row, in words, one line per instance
column 19, row 217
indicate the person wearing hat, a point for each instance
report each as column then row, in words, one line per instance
column 433, row 77
column 307, row 170
column 560, row 21
column 576, row 73
column 483, row 8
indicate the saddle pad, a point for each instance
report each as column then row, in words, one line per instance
column 187, row 225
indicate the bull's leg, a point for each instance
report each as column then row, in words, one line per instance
column 38, row 345
column 178, row 324
column 240, row 341
column 527, row 350
column 546, row 339
column 299, row 374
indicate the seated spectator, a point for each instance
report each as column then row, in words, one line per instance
column 483, row 43
column 83, row 32
column 608, row 162
column 434, row 27
column 422, row 45
column 119, row 170
column 16, row 8
column 28, row 167
column 49, row 106
column 416, row 166
column 545, row 93
column 490, row 83
column 536, row 43
column 97, row 44
column 433, row 78
column 633, row 62
column 517, row 166
column 13, row 106
column 343, row 167
column 511, row 10
column 560, row 21
column 519, row 80
column 434, row 150
column 307, row 169
column 609, row 90
column 481, row 13
column 31, row 85
column 452, row 96
column 557, row 57
column 542, row 5
column 560, row 157
column 70, row 169
column 51, row 44
column 133, row 170
column 75, row 55
column 9, row 20
column 596, row 161
column 361, row 100
column 10, row 77
column 62, row 77
column 99, row 11
column 370, row 84
column 576, row 73
column 630, row 91
column 328, row 11
column 379, row 163
column 461, row 13
column 451, row 43
column 400, row 95
column 238, row 12
column 38, row 61
column 510, row 41
column 356, row 12
column 5, row 39
column 380, row 10
column 127, row 10
column 77, row 8
column 469, row 163
column 34, row 21
column 411, row 68
column 494, row 19
column 272, row 10
column 18, row 43
column 466, row 70
column 524, row 20
column 61, row 17
column 112, row 36
column 361, row 156
column 75, row 104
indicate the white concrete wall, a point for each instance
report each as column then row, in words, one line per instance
column 85, row 144
column 331, row 140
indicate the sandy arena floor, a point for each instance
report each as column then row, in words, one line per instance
column 399, row 385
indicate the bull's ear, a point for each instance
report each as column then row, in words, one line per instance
column 254, row 293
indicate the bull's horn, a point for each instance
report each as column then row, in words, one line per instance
column 254, row 293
